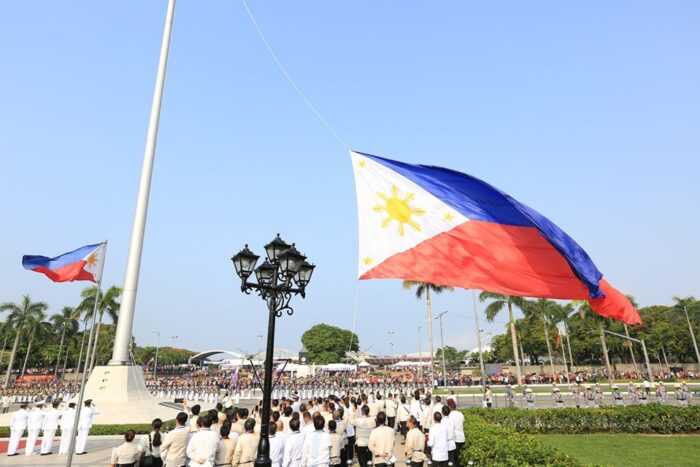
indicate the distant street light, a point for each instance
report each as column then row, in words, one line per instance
column 442, row 344
column 277, row 276
column 390, row 334
column 155, row 363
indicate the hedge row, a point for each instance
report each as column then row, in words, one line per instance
column 139, row 428
column 488, row 444
column 652, row 418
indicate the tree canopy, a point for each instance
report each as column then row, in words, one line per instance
column 328, row 344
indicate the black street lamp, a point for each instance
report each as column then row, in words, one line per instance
column 284, row 273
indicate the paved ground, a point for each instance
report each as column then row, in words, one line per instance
column 99, row 451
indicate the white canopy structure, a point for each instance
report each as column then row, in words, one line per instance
column 405, row 364
column 346, row 367
column 363, row 364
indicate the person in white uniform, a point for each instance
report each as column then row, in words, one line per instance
column 17, row 426
column 67, row 425
column 293, row 446
column 51, row 418
column 34, row 423
column 84, row 425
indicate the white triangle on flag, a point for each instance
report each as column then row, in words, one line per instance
column 394, row 213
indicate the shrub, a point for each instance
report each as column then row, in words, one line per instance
column 652, row 418
column 488, row 444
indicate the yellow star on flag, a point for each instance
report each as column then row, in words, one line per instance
column 449, row 217
column 367, row 261
column 362, row 163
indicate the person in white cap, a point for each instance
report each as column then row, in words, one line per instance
column 84, row 425
column 529, row 399
column 34, row 423
column 617, row 396
column 51, row 418
column 67, row 425
column 17, row 426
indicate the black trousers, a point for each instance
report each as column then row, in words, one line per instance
column 390, row 421
column 458, row 453
column 350, row 449
column 439, row 464
column 402, row 428
column 414, row 464
column 363, row 455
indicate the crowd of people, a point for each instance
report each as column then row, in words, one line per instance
column 321, row 431
column 33, row 391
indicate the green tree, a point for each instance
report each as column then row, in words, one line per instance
column 67, row 319
column 35, row 325
column 108, row 303
column 586, row 313
column 20, row 315
column 547, row 311
column 328, row 344
column 498, row 302
column 424, row 288
column 688, row 306
column 452, row 356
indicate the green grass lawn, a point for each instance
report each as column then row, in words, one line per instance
column 629, row 450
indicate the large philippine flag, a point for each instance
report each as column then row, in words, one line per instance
column 84, row 264
column 436, row 225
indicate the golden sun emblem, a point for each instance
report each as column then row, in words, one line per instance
column 399, row 210
column 92, row 260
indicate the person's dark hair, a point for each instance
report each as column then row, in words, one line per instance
column 437, row 416
column 294, row 424
column 195, row 409
column 156, row 424
column 307, row 415
column 249, row 424
column 206, row 420
column 381, row 418
column 403, row 399
column 242, row 413
column 319, row 422
column 438, row 399
column 331, row 425
column 181, row 418
column 129, row 435
column 225, row 429
column 411, row 420
column 302, row 407
column 288, row 411
column 230, row 414
column 214, row 414
column 295, row 415
column 365, row 410
column 219, row 407
column 445, row 410
column 272, row 429
column 275, row 416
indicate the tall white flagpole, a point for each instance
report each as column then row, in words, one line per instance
column 81, row 393
column 122, row 341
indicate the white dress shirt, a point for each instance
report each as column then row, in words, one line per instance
column 438, row 441
column 203, row 446
column 293, row 450
column 317, row 449
column 458, row 418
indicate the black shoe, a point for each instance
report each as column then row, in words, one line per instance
column 15, row 454
column 45, row 453
column 80, row 453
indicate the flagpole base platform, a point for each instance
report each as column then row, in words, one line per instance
column 120, row 393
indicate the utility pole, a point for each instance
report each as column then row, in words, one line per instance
column 420, row 357
column 442, row 344
column 478, row 342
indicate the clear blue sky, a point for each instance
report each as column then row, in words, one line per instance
column 588, row 113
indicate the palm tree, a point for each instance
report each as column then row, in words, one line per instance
column 424, row 288
column 107, row 302
column 34, row 323
column 686, row 304
column 586, row 312
column 498, row 302
column 67, row 318
column 548, row 311
column 19, row 315
column 5, row 329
